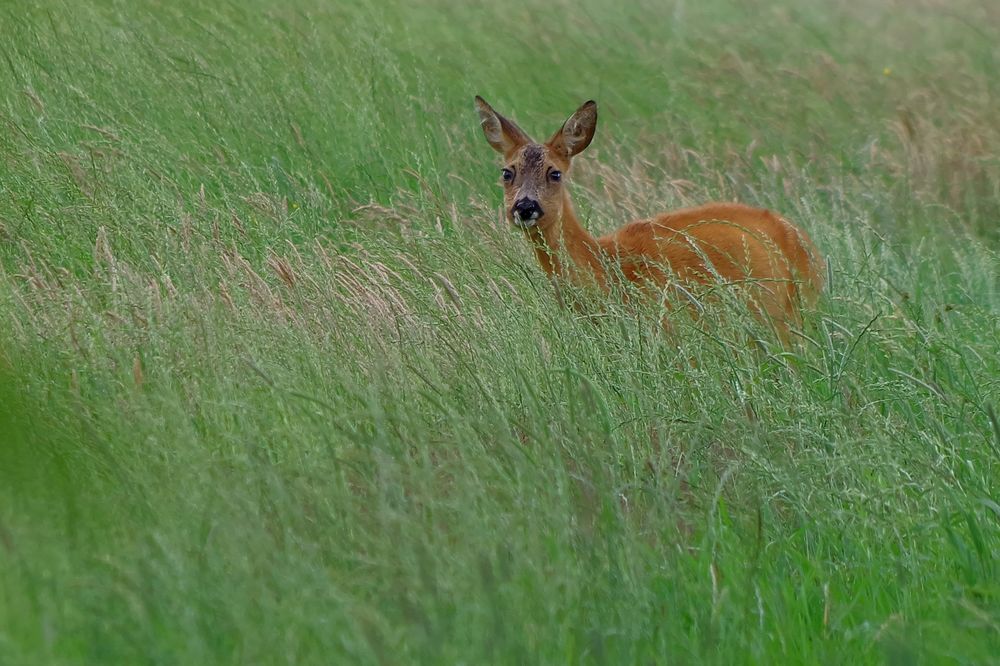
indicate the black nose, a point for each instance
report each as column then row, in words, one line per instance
column 527, row 209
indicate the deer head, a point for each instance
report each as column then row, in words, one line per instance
column 533, row 174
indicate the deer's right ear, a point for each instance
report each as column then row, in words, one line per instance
column 502, row 134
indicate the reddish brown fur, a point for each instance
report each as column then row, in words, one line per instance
column 774, row 261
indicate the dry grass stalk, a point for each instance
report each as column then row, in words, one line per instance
column 77, row 172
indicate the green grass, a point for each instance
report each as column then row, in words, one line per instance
column 278, row 386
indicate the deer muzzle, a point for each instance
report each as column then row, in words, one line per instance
column 526, row 212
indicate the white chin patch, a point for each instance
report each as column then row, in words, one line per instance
column 526, row 223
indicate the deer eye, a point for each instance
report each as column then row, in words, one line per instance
column 555, row 176
column 507, row 175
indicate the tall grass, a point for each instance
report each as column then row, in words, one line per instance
column 278, row 385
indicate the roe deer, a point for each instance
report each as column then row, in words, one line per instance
column 774, row 262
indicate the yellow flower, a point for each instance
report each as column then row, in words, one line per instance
column 887, row 71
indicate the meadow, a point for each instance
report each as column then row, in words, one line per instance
column 278, row 384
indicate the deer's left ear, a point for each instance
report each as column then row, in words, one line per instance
column 577, row 132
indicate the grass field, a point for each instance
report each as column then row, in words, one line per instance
column 278, row 385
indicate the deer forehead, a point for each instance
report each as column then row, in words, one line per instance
column 531, row 159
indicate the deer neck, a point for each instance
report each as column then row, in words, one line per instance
column 565, row 249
